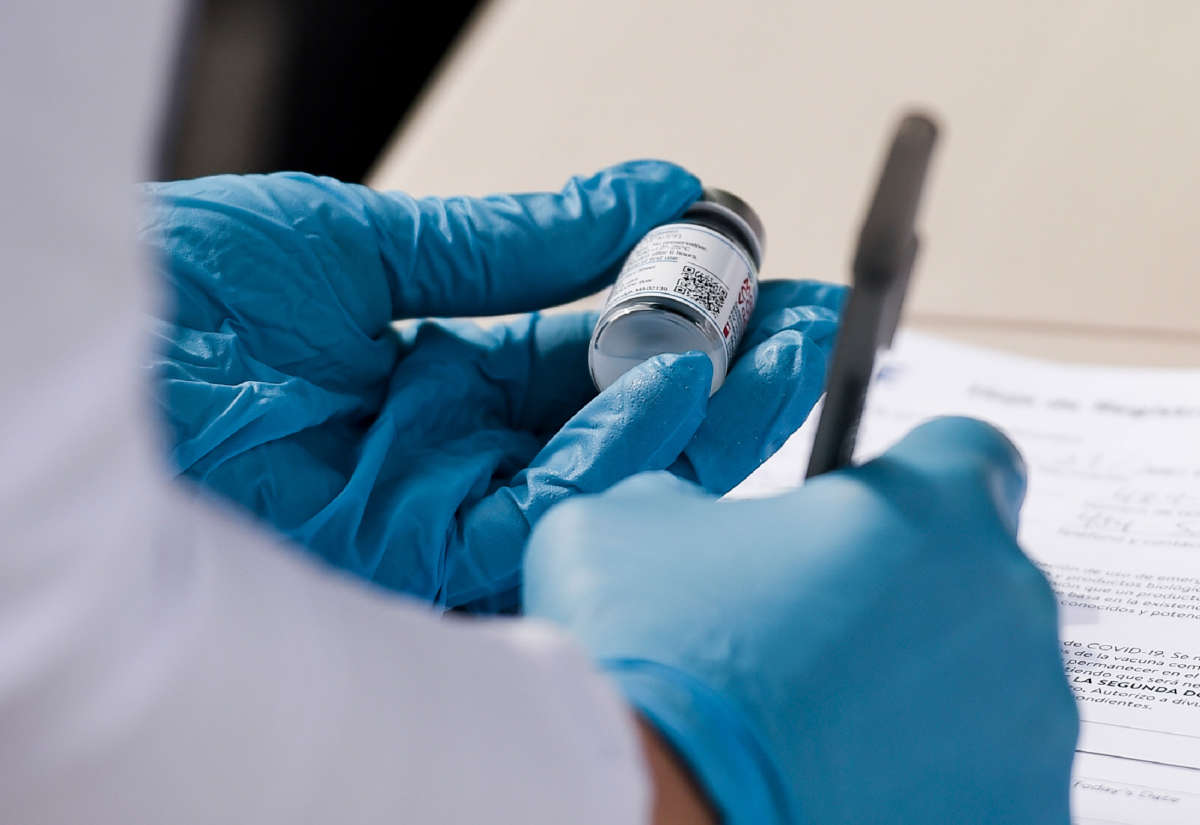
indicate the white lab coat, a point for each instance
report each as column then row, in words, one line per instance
column 161, row 660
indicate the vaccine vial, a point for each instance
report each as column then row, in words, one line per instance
column 688, row 285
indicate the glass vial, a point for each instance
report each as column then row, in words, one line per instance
column 688, row 285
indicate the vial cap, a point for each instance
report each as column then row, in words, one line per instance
column 736, row 215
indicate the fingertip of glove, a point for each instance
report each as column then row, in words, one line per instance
column 565, row 518
column 665, row 189
column 766, row 397
column 973, row 441
column 654, row 170
column 662, row 402
column 692, row 374
column 642, row 421
column 834, row 296
column 808, row 306
column 799, row 292
column 657, row 483
column 686, row 375
column 549, row 542
column 959, row 446
column 786, row 367
column 690, row 364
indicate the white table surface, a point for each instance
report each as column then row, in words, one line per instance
column 1063, row 215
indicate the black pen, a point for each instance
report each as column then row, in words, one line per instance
column 883, row 261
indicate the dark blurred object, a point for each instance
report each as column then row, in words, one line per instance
column 310, row 85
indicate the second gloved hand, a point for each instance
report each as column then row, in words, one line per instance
column 873, row 648
column 421, row 458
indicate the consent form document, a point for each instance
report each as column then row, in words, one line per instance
column 1112, row 515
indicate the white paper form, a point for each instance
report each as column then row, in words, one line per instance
column 1112, row 515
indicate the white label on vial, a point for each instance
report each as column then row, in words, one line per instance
column 695, row 265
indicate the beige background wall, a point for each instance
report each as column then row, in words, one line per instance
column 1064, row 212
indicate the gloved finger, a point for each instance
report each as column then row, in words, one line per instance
column 653, row 485
column 529, row 373
column 792, row 304
column 640, row 423
column 539, row 363
column 770, row 391
column 962, row 458
column 658, row 486
column 514, row 253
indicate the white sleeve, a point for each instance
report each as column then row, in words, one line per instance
column 160, row 659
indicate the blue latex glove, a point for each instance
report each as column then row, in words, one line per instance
column 421, row 458
column 873, row 648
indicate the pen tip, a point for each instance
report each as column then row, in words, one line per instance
column 918, row 124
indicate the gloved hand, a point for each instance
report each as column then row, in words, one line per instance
column 420, row 458
column 873, row 648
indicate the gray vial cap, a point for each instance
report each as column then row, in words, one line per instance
column 738, row 216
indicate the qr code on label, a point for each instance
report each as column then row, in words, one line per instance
column 702, row 288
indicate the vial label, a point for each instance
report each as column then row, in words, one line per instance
column 695, row 265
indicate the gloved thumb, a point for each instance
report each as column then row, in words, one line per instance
column 962, row 457
column 513, row 253
column 641, row 422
